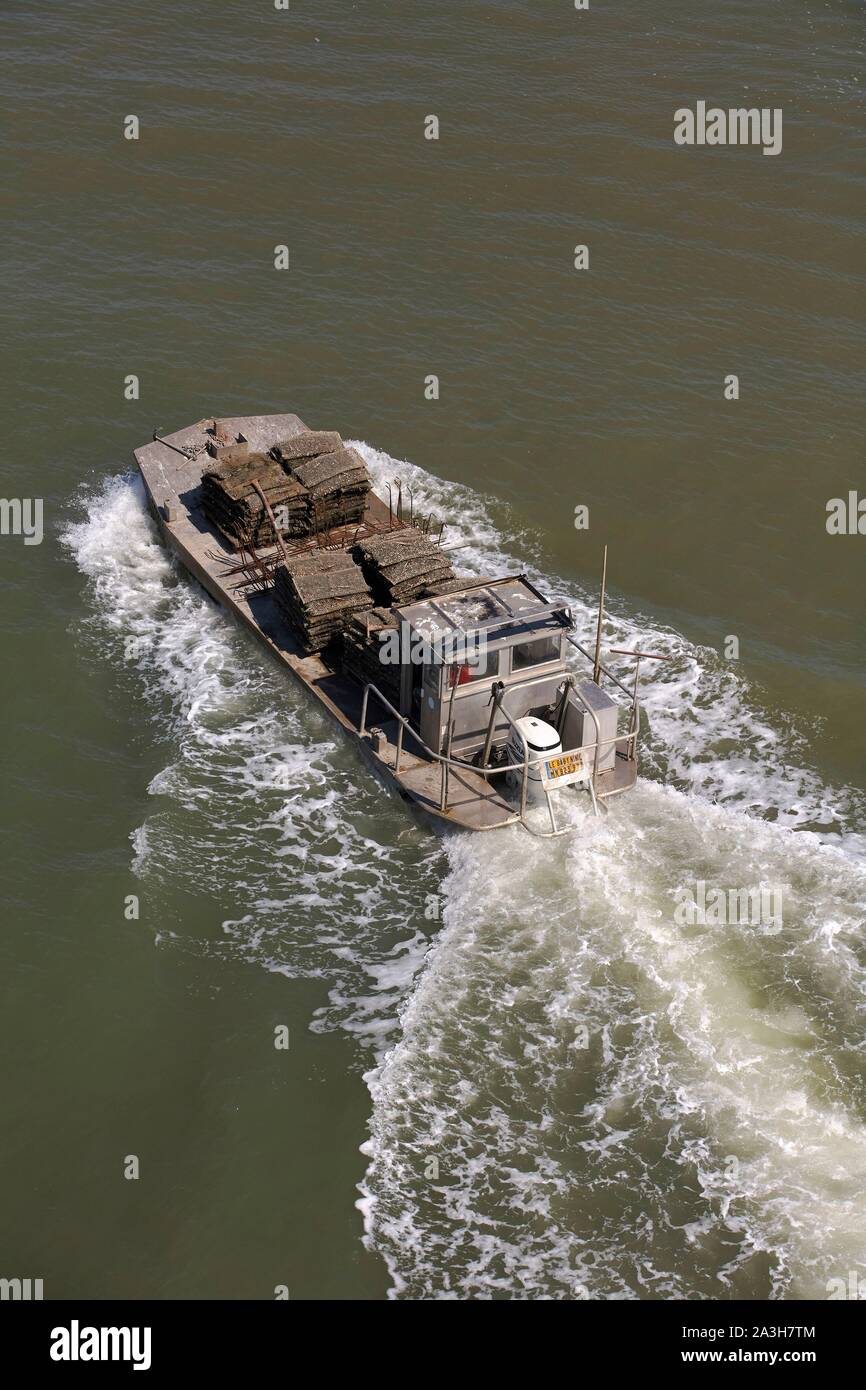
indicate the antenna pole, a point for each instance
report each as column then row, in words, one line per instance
column 596, row 672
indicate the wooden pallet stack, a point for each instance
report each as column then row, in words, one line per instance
column 311, row 482
column 400, row 565
column 232, row 503
column 337, row 484
column 361, row 655
column 318, row 593
column 307, row 445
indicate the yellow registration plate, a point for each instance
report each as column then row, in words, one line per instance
column 565, row 766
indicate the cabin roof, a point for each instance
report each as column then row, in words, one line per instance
column 491, row 606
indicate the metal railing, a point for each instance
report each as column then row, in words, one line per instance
column 446, row 761
column 638, row 657
column 634, row 707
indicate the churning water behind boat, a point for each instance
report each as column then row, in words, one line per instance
column 578, row 1096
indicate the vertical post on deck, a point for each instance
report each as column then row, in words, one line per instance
column 634, row 714
column 596, row 673
column 447, row 767
column 497, row 691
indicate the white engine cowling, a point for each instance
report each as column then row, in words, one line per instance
column 540, row 739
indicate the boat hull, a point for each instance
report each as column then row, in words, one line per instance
column 172, row 489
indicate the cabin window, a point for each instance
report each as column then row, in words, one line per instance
column 481, row 666
column 534, row 653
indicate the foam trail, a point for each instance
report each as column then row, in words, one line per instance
column 259, row 806
column 563, row 1169
column 708, row 1140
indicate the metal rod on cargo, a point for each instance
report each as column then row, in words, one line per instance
column 399, row 499
column 257, row 487
column 497, row 690
column 390, row 508
column 596, row 673
column 411, row 504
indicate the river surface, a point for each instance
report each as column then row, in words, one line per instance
column 513, row 1070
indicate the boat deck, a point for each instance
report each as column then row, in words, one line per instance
column 171, row 478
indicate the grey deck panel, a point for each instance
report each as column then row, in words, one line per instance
column 473, row 803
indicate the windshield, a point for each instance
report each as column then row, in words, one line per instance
column 535, row 653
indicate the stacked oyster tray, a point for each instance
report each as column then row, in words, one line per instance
column 318, row 593
column 362, row 652
column 311, row 484
column 337, row 484
column 401, row 565
column 232, row 503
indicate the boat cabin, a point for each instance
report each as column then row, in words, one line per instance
column 458, row 644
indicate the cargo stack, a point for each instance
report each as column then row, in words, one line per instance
column 362, row 652
column 401, row 565
column 233, row 505
column 311, row 482
column 307, row 445
column 318, row 593
column 337, row 484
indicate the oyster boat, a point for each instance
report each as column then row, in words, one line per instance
column 456, row 692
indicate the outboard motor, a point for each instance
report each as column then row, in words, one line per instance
column 539, row 738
